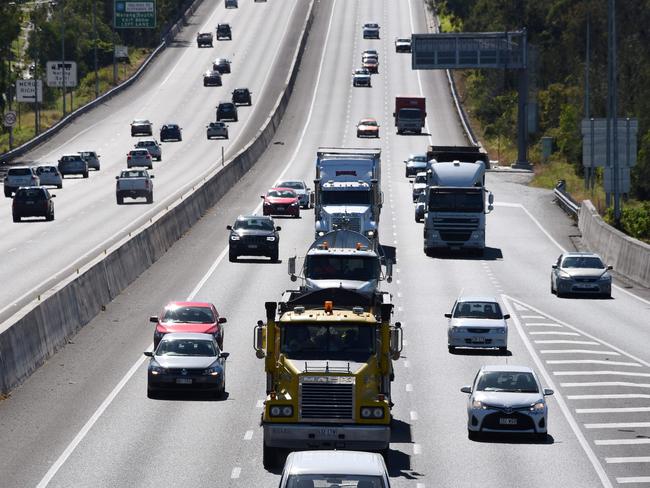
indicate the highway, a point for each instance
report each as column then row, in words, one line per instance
column 83, row 419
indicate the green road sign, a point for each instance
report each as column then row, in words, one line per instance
column 135, row 14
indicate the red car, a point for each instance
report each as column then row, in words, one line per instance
column 281, row 201
column 201, row 317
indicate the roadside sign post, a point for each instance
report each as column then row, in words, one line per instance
column 9, row 120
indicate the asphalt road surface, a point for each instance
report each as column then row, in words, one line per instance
column 84, row 420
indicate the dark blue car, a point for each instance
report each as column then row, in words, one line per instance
column 171, row 132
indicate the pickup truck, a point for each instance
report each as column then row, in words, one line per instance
column 21, row 176
column 134, row 183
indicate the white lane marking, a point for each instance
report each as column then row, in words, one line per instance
column 633, row 479
column 11, row 250
column 609, row 396
column 559, row 341
column 575, row 334
column 613, row 410
column 601, row 373
column 541, row 324
column 248, row 435
column 527, row 317
column 606, row 383
column 420, row 485
column 592, row 361
column 586, row 447
column 260, row 404
column 619, row 425
column 617, row 460
column 236, row 471
column 577, row 351
column 406, row 364
column 409, row 387
column 414, row 415
column 417, row 449
column 520, row 308
column 621, row 442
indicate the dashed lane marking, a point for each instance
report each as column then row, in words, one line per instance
column 618, row 425
column 248, row 435
column 528, row 317
column 633, row 479
column 414, row 415
column 236, row 471
column 409, row 387
column 609, row 396
column 606, row 383
column 541, row 324
column 638, row 459
column 555, row 333
column 560, row 341
column 621, row 442
column 602, row 373
column 578, row 351
column 613, row 410
column 260, row 404
column 417, row 449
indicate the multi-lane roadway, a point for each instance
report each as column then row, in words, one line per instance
column 84, row 419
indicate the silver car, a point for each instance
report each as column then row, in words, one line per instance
column 581, row 272
column 152, row 146
column 419, row 185
column 477, row 322
column 92, row 158
column 217, row 129
column 186, row 361
column 361, row 77
column 415, row 164
column 506, row 399
column 301, row 189
column 49, row 175
column 421, row 206
column 138, row 158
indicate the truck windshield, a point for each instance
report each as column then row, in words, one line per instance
column 342, row 342
column 456, row 201
column 410, row 113
column 346, row 198
column 332, row 267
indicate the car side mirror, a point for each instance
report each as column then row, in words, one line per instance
column 262, row 196
column 610, row 267
column 53, row 196
column 224, row 355
column 154, row 319
column 278, row 228
column 149, row 354
column 554, row 266
column 448, row 315
column 506, row 316
column 117, row 177
column 466, row 389
column 222, row 320
column 229, row 227
column 152, row 176
column 548, row 392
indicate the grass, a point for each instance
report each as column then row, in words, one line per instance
column 83, row 94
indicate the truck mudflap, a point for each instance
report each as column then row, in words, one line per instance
column 332, row 436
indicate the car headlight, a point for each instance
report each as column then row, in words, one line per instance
column 370, row 233
column 478, row 405
column 212, row 371
column 372, row 413
column 294, row 204
column 281, row 411
column 234, row 237
column 537, row 407
column 267, row 203
column 270, row 238
column 156, row 369
column 605, row 277
column 501, row 330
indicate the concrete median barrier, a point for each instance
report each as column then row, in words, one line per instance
column 44, row 325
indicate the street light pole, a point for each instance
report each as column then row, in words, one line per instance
column 612, row 109
column 95, row 47
column 63, row 55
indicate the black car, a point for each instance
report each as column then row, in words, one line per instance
column 212, row 78
column 204, row 39
column 253, row 235
column 224, row 32
column 227, row 111
column 222, row 65
column 141, row 127
column 242, row 96
column 170, row 132
column 33, row 201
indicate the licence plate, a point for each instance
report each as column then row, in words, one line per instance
column 29, row 203
column 327, row 432
column 280, row 208
column 478, row 340
column 584, row 285
column 507, row 421
column 252, row 246
column 184, row 381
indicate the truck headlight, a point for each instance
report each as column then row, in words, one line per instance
column 281, row 411
column 370, row 233
column 372, row 413
column 270, row 238
column 234, row 237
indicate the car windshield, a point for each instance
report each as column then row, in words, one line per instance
column 346, row 198
column 404, row 40
column 420, row 179
column 582, row 262
column 371, row 26
column 331, row 267
column 67, row 159
column 281, row 194
column 296, row 185
column 30, row 194
column 329, row 480
column 141, row 122
column 193, row 315
column 455, row 201
column 371, row 123
column 186, row 347
column 87, row 154
column 217, row 125
column 508, row 381
column 419, row 158
column 361, row 72
column 478, row 310
column 254, row 224
column 221, row 61
column 45, row 169
column 146, row 143
column 342, row 342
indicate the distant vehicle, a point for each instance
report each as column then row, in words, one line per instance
column 186, row 361
column 196, row 317
column 171, row 132
column 204, row 39
column 139, row 158
column 371, row 64
column 403, row 45
column 506, row 399
column 217, row 129
column 35, row 201
column 227, row 111
column 302, row 190
column 420, row 207
column 222, row 65
column 253, row 235
column 419, row 185
column 256, row 1
column 231, row 4
column 581, row 272
column 141, row 127
column 370, row 53
column 20, row 176
column 49, row 175
column 361, row 77
column 73, row 164
column 92, row 158
column 371, row 31
column 342, row 468
column 224, row 32
column 281, row 201
column 367, row 128
column 415, row 163
column 477, row 322
column 242, row 96
column 212, row 77
column 152, row 146
column 134, row 183
column 410, row 114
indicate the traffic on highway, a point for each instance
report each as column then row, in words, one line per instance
column 400, row 313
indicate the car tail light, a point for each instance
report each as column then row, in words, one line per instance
column 128, row 156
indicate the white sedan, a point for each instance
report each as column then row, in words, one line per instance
column 477, row 322
column 302, row 190
column 507, row 399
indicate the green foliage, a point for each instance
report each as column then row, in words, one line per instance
column 635, row 219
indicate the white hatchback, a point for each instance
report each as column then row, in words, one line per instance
column 49, row 176
column 477, row 322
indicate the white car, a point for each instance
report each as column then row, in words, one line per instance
column 419, row 185
column 507, row 399
column 581, row 272
column 217, row 129
column 152, row 146
column 477, row 322
column 361, row 77
column 403, row 45
column 371, row 31
column 301, row 189
column 49, row 176
column 139, row 158
column 334, row 468
column 20, row 176
column 421, row 207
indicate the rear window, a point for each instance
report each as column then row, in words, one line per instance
column 19, row 172
column 30, row 194
column 45, row 169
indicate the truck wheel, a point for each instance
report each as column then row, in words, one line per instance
column 270, row 457
column 7, row 193
column 86, row 174
column 59, row 186
column 49, row 217
column 16, row 218
column 451, row 349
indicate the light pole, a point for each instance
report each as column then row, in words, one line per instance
column 63, row 54
column 95, row 47
column 612, row 109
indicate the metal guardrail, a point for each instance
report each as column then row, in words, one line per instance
column 565, row 201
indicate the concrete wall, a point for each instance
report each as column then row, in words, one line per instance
column 630, row 257
column 33, row 334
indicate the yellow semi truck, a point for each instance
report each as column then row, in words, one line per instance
column 328, row 357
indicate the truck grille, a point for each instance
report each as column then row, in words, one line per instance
column 346, row 222
column 327, row 401
column 455, row 236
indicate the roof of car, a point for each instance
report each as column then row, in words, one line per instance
column 253, row 216
column 188, row 304
column 175, row 336
column 141, row 121
column 590, row 254
column 506, row 367
column 476, row 298
column 336, row 462
column 366, row 121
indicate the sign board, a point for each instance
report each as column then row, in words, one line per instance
column 594, row 142
column 9, row 119
column 135, row 14
column 29, row 91
column 121, row 52
column 623, row 179
column 54, row 70
column 459, row 50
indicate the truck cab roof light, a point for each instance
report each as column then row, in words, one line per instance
column 298, row 310
column 329, row 306
column 357, row 310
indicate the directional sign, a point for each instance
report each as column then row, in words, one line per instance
column 135, row 14
column 9, row 119
column 54, row 71
column 121, row 52
column 594, row 142
column 29, row 91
